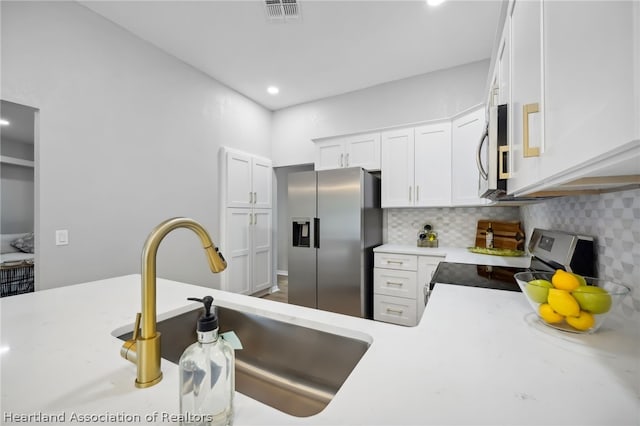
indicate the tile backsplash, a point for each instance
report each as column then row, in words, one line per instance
column 456, row 226
column 612, row 218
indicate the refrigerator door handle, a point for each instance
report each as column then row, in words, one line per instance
column 316, row 232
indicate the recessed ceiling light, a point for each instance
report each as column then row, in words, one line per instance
column 435, row 2
column 3, row 122
column 273, row 90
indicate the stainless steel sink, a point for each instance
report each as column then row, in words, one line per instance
column 292, row 368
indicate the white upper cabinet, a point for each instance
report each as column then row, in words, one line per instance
column 466, row 133
column 570, row 73
column 592, row 87
column 361, row 150
column 416, row 166
column 248, row 180
column 397, row 177
column 526, row 107
column 432, row 167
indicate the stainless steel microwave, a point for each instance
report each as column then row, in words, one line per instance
column 492, row 159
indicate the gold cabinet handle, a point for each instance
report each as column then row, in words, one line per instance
column 503, row 152
column 528, row 151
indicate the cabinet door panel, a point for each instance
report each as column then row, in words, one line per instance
column 466, row 133
column 397, row 168
column 363, row 151
column 526, row 89
column 261, row 179
column 330, row 154
column 261, row 246
column 238, row 251
column 433, row 165
column 238, row 180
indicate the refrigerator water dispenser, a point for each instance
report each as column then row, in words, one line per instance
column 300, row 233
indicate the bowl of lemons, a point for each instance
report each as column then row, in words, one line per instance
column 568, row 301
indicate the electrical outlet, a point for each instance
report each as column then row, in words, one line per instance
column 62, row 237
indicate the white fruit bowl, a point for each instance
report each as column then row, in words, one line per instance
column 594, row 305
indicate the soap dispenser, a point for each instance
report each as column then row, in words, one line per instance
column 207, row 375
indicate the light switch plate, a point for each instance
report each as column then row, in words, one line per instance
column 62, row 237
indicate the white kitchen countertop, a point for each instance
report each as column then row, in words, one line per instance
column 457, row 255
column 477, row 357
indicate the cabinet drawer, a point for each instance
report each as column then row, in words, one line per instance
column 395, row 282
column 405, row 262
column 396, row 310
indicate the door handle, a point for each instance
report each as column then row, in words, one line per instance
column 341, row 160
column 255, row 198
column 409, row 192
column 417, row 193
column 347, row 161
column 316, row 232
column 483, row 172
column 250, row 197
column 527, row 150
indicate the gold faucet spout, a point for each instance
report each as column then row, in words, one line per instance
column 144, row 349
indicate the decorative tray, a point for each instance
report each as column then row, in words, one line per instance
column 496, row 251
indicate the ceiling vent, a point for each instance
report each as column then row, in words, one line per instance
column 280, row 10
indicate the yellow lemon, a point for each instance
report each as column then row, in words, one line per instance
column 580, row 279
column 564, row 280
column 583, row 321
column 563, row 302
column 549, row 315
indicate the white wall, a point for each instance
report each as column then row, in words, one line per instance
column 431, row 96
column 128, row 137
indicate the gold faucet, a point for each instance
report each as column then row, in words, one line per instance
column 143, row 349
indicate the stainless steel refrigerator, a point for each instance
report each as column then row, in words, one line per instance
column 335, row 221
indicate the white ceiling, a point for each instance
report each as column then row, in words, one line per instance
column 335, row 47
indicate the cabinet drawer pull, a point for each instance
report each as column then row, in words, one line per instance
column 397, row 262
column 394, row 283
column 527, row 150
column 395, row 311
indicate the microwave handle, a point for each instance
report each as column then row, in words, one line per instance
column 483, row 172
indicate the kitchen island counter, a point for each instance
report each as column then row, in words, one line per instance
column 478, row 356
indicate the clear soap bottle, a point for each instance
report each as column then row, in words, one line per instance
column 207, row 375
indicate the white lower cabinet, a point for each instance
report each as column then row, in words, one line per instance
column 247, row 250
column 400, row 285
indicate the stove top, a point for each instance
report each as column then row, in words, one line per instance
column 484, row 276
